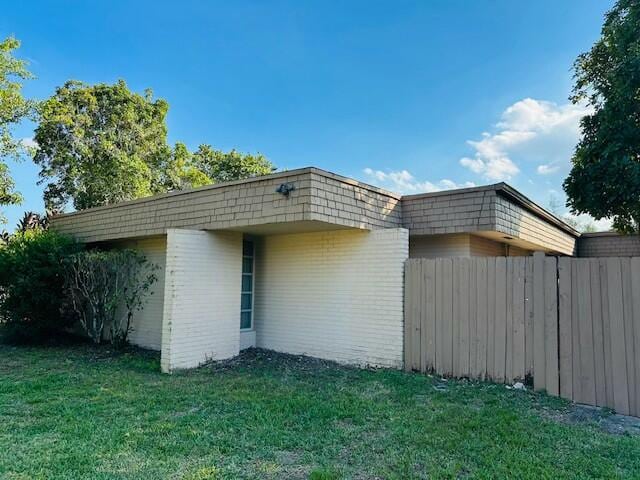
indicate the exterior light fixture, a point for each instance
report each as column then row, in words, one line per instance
column 285, row 189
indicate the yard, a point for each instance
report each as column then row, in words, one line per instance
column 77, row 412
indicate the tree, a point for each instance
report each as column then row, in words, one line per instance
column 605, row 178
column 584, row 226
column 13, row 109
column 100, row 144
column 226, row 166
column 180, row 173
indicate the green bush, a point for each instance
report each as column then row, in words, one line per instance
column 106, row 288
column 31, row 285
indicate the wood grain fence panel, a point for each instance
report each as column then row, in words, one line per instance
column 635, row 287
column 598, row 334
column 518, row 334
column 482, row 318
column 564, row 328
column 539, row 358
column 575, row 332
column 491, row 317
column 428, row 340
column 552, row 380
column 586, row 368
column 408, row 318
column 627, row 304
column 499, row 333
column 456, row 317
column 616, row 322
column 574, row 324
column 606, row 332
column 508, row 368
column 464, row 300
column 473, row 318
column 528, row 316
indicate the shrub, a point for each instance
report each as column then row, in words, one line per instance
column 105, row 288
column 31, row 284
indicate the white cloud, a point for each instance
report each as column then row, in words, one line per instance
column 529, row 130
column 547, row 169
column 402, row 181
column 28, row 142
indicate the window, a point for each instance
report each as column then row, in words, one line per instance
column 246, row 299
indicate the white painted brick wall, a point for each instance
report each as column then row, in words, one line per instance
column 336, row 295
column 147, row 323
column 202, row 297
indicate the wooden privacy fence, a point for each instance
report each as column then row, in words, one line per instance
column 571, row 324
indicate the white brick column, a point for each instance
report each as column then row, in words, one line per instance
column 201, row 316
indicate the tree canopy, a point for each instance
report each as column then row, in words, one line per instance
column 100, row 144
column 14, row 107
column 103, row 144
column 225, row 166
column 605, row 178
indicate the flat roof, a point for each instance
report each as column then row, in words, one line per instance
column 509, row 192
column 501, row 188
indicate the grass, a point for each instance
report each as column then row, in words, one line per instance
column 83, row 413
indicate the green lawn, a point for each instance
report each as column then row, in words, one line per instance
column 77, row 412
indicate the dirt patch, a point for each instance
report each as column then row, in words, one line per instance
column 280, row 361
column 603, row 418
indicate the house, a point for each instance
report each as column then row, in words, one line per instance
column 303, row 261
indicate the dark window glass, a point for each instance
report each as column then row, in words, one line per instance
column 245, row 320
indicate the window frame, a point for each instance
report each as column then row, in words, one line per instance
column 253, row 284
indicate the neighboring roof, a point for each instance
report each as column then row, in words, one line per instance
column 609, row 233
column 508, row 191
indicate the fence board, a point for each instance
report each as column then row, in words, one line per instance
column 483, row 318
column 473, row 318
column 457, row 314
column 539, row 358
column 464, row 300
column 565, row 340
column 627, row 305
column 499, row 337
column 508, row 368
column 618, row 354
column 491, row 317
column 528, row 316
column 518, row 335
column 598, row 334
column 606, row 332
column 551, row 325
column 428, row 322
column 635, row 287
column 587, row 366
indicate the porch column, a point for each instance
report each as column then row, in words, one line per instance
column 201, row 316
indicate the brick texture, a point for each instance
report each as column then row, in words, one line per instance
column 147, row 323
column 334, row 295
column 608, row 244
column 201, row 319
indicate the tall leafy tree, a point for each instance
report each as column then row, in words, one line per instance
column 179, row 172
column 14, row 107
column 100, row 144
column 225, row 166
column 605, row 178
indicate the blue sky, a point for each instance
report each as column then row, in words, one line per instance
column 410, row 96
